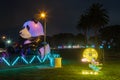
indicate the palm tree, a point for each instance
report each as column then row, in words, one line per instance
column 96, row 17
column 83, row 26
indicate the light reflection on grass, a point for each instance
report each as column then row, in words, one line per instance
column 69, row 71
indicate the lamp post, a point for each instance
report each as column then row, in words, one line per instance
column 43, row 16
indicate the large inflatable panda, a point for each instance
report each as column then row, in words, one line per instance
column 32, row 33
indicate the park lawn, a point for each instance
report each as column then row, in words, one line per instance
column 71, row 70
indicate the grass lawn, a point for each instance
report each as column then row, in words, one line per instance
column 71, row 70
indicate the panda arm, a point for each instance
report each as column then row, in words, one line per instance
column 27, row 42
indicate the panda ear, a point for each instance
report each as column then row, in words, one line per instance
column 28, row 28
column 35, row 21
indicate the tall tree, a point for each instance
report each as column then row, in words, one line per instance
column 83, row 26
column 94, row 18
column 98, row 17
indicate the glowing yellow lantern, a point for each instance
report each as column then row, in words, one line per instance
column 58, row 62
column 89, row 54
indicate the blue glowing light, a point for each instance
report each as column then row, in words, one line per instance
column 101, row 46
column 56, row 55
column 24, row 60
column 44, row 58
column 32, row 59
column 49, row 56
column 52, row 62
column 15, row 61
column 87, row 46
column 94, row 67
column 109, row 46
column 60, row 47
column 39, row 59
column 93, row 46
column 6, row 61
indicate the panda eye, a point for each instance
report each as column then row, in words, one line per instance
column 23, row 27
column 28, row 28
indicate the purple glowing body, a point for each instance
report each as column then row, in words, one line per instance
column 36, row 29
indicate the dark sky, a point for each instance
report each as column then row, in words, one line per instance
column 63, row 15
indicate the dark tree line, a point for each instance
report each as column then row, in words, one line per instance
column 66, row 39
column 111, row 36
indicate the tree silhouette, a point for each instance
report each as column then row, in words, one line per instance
column 80, row 39
column 94, row 18
column 97, row 17
column 83, row 26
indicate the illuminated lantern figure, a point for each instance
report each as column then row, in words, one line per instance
column 33, row 34
column 31, row 42
column 90, row 55
column 31, row 29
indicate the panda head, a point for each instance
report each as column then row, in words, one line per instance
column 31, row 28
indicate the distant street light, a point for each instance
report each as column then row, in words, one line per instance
column 43, row 15
column 8, row 41
column 3, row 37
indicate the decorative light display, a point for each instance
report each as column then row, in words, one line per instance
column 86, row 72
column 31, row 29
column 58, row 63
column 70, row 46
column 24, row 60
column 5, row 61
column 31, row 33
column 32, row 59
column 15, row 61
column 90, row 55
column 37, row 57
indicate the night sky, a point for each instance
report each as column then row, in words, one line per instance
column 63, row 15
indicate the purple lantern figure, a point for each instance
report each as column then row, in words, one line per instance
column 31, row 29
column 32, row 32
